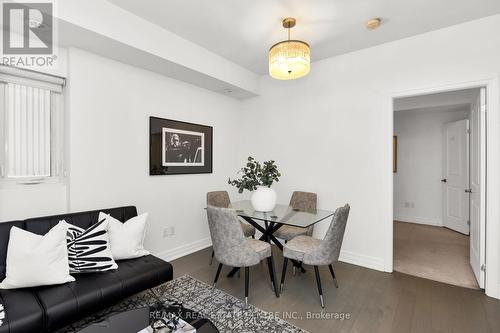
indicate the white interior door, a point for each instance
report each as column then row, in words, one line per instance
column 477, row 186
column 456, row 176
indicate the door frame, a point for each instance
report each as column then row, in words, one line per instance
column 492, row 210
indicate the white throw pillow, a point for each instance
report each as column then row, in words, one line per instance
column 34, row 260
column 89, row 249
column 127, row 239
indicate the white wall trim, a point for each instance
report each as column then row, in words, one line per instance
column 362, row 260
column 419, row 219
column 185, row 249
column 492, row 84
column 388, row 180
column 492, row 287
column 345, row 256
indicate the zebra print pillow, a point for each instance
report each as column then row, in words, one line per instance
column 88, row 250
column 2, row 314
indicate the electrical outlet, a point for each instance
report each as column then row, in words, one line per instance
column 407, row 204
column 168, row 231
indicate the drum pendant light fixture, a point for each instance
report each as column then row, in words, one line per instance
column 289, row 59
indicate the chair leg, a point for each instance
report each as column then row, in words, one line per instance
column 253, row 236
column 333, row 276
column 247, row 273
column 212, row 257
column 272, row 274
column 318, row 281
column 283, row 273
column 217, row 274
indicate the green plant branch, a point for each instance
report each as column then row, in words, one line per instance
column 256, row 174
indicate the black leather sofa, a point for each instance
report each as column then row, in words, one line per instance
column 44, row 309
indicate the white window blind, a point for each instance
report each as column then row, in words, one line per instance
column 31, row 127
column 28, row 131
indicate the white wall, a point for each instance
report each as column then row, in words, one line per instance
column 110, row 104
column 331, row 131
column 27, row 201
column 418, row 191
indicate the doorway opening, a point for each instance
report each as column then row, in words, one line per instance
column 439, row 180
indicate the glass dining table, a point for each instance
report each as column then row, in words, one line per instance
column 269, row 222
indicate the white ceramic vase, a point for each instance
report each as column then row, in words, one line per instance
column 264, row 199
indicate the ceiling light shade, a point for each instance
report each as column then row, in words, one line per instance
column 289, row 59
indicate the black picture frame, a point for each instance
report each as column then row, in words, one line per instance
column 178, row 147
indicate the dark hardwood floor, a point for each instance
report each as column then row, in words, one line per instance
column 375, row 301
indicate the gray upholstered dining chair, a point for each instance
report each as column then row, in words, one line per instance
column 315, row 252
column 221, row 199
column 304, row 202
column 233, row 249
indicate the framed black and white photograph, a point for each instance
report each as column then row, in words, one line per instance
column 178, row 147
column 182, row 148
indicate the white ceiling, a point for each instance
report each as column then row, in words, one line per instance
column 242, row 30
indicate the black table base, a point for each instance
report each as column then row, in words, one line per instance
column 267, row 236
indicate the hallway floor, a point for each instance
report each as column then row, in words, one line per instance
column 433, row 253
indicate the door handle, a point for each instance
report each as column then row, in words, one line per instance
column 444, row 180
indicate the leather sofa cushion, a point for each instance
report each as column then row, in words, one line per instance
column 137, row 274
column 91, row 292
column 41, row 225
column 23, row 313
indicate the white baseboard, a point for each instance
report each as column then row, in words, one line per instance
column 185, row 249
column 345, row 256
column 362, row 260
column 419, row 220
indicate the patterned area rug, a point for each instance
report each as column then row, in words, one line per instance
column 225, row 311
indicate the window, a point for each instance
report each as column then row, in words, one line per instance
column 32, row 124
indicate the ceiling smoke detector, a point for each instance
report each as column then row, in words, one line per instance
column 374, row 23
